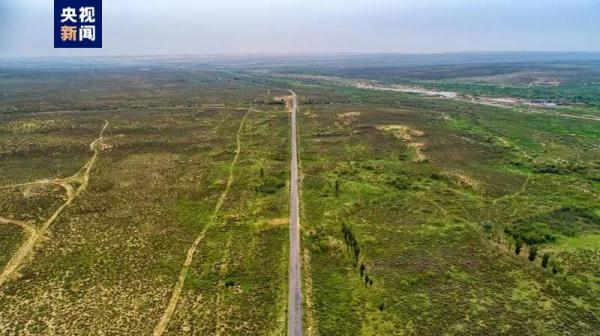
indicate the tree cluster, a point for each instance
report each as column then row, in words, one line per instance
column 352, row 245
column 351, row 241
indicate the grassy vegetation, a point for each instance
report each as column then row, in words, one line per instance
column 437, row 236
column 412, row 207
column 116, row 252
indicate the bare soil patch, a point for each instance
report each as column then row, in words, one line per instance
column 408, row 136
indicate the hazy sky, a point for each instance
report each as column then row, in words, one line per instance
column 139, row 27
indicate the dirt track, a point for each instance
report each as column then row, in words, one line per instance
column 160, row 328
column 81, row 178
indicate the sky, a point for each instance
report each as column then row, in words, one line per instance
column 181, row 27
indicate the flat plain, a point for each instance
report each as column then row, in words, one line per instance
column 154, row 198
column 111, row 259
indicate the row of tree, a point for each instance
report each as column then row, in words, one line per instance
column 533, row 252
column 351, row 241
column 352, row 245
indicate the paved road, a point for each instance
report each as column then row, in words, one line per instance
column 295, row 293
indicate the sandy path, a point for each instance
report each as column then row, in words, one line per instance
column 517, row 193
column 22, row 224
column 82, row 177
column 38, row 182
column 159, row 329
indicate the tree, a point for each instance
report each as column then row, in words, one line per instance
column 362, row 269
column 545, row 259
column 518, row 246
column 337, row 188
column 347, row 234
column 532, row 253
column 356, row 252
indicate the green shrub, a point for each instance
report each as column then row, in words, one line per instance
column 399, row 183
column 543, row 228
column 271, row 184
column 545, row 259
column 532, row 253
column 487, row 226
column 436, row 176
column 518, row 246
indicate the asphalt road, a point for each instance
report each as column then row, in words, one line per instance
column 295, row 292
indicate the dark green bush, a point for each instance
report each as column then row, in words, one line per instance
column 543, row 228
column 399, row 183
column 545, row 259
column 532, row 253
column 518, row 246
column 271, row 184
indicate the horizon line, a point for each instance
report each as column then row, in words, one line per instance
column 308, row 53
